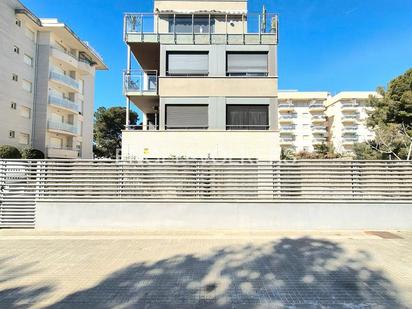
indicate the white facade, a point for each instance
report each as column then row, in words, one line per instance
column 46, row 84
column 302, row 121
column 347, row 115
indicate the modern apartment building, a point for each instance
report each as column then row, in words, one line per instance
column 46, row 84
column 347, row 115
column 302, row 120
column 206, row 81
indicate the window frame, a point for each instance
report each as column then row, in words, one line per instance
column 247, row 127
column 247, row 74
column 169, row 52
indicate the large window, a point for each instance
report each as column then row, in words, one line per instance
column 183, row 24
column 247, row 117
column 186, row 116
column 187, row 63
column 247, row 64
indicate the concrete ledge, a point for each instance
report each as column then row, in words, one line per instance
column 260, row 216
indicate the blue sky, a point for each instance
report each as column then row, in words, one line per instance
column 325, row 45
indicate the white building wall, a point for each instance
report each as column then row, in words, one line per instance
column 11, row 36
column 298, row 129
column 347, row 114
column 51, row 47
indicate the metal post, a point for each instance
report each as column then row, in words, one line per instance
column 141, row 27
column 243, row 28
column 210, row 31
column 193, row 28
column 226, row 27
column 260, row 31
column 128, row 76
column 174, row 27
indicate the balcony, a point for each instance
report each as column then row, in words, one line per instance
column 201, row 28
column 64, row 103
column 287, row 118
column 350, row 118
column 349, row 129
column 62, row 127
column 319, row 129
column 318, row 118
column 287, row 141
column 64, row 80
column 62, row 153
column 316, row 107
column 349, row 107
column 350, row 140
column 140, row 83
column 319, row 141
column 287, row 129
column 286, row 107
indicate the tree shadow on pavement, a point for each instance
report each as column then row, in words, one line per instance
column 299, row 273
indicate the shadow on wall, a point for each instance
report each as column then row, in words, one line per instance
column 303, row 272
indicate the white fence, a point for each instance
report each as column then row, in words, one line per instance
column 25, row 182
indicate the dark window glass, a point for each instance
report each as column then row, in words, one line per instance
column 247, row 117
column 183, row 24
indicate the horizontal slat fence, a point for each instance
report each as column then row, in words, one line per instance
column 220, row 180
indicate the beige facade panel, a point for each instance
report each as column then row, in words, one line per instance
column 262, row 145
column 217, row 86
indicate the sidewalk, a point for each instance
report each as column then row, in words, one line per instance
column 197, row 269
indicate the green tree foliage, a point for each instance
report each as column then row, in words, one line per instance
column 9, row 152
column 391, row 120
column 31, row 153
column 108, row 127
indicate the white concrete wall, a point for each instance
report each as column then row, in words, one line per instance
column 268, row 216
column 201, row 144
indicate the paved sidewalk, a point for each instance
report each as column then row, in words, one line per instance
column 205, row 270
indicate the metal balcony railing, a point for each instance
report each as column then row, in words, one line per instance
column 140, row 81
column 62, row 126
column 64, row 79
column 64, row 103
column 200, row 23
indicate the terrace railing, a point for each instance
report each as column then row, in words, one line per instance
column 206, row 24
column 140, row 81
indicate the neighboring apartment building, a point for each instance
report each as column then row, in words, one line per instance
column 347, row 115
column 302, row 120
column 207, row 83
column 46, row 84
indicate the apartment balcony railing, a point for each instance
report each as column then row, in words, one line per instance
column 287, row 139
column 140, row 81
column 62, row 126
column 286, row 105
column 349, row 129
column 320, row 129
column 287, row 128
column 67, row 104
column 288, row 116
column 64, row 79
column 346, row 105
column 319, row 140
column 318, row 118
column 349, row 140
column 62, row 152
column 201, row 27
column 316, row 106
column 350, row 117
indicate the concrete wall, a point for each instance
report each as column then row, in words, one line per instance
column 268, row 216
column 263, row 145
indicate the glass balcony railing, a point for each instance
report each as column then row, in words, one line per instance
column 210, row 23
column 62, row 126
column 140, row 81
column 64, row 103
column 64, row 79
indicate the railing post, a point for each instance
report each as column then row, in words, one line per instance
column 174, row 28
column 193, row 28
column 141, row 27
column 210, row 30
column 260, row 30
column 243, row 28
column 226, row 28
